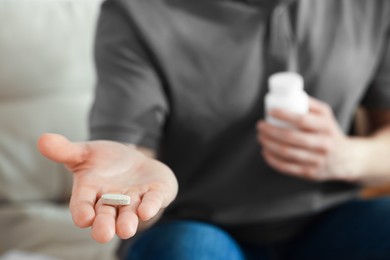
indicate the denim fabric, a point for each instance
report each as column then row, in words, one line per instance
column 358, row 230
column 185, row 240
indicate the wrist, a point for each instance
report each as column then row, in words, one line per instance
column 368, row 160
column 353, row 159
column 363, row 150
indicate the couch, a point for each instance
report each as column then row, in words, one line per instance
column 46, row 85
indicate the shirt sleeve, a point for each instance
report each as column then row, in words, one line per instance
column 378, row 94
column 130, row 104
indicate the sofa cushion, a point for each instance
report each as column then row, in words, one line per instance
column 46, row 85
column 46, row 81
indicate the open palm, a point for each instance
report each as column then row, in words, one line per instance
column 100, row 167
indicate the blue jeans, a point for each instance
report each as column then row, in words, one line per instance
column 358, row 230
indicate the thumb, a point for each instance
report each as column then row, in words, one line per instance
column 59, row 149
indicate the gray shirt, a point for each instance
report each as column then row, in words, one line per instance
column 188, row 78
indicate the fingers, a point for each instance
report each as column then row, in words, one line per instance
column 103, row 227
column 292, row 153
column 314, row 142
column 124, row 220
column 291, row 168
column 127, row 222
column 151, row 204
column 304, row 150
column 139, row 210
column 111, row 220
column 59, row 149
column 319, row 119
column 308, row 122
column 82, row 205
column 319, row 107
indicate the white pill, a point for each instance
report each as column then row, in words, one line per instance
column 115, row 199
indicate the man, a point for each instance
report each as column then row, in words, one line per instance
column 181, row 84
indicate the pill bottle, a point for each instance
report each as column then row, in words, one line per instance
column 285, row 92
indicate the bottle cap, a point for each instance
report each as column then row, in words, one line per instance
column 285, row 82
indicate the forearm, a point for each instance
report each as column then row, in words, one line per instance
column 372, row 157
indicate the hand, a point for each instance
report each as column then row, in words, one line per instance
column 100, row 167
column 315, row 149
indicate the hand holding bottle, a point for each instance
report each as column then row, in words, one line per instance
column 314, row 148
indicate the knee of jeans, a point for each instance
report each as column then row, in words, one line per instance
column 185, row 240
